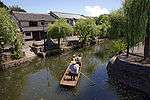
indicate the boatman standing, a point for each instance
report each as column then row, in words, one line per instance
column 78, row 59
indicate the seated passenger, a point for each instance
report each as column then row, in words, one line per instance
column 74, row 70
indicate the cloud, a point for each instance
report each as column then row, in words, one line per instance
column 95, row 11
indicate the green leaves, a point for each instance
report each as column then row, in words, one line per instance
column 8, row 27
column 9, row 32
column 136, row 12
column 59, row 29
column 118, row 24
column 118, row 46
column 85, row 28
column 104, row 25
column 103, row 22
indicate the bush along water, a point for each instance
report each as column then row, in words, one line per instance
column 16, row 49
column 110, row 48
column 118, row 46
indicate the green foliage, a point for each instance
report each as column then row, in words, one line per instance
column 118, row 46
column 59, row 29
column 105, row 50
column 10, row 33
column 16, row 8
column 109, row 48
column 86, row 29
column 136, row 12
column 2, row 5
column 118, row 24
column 138, row 18
column 99, row 31
column 17, row 45
column 103, row 22
column 113, row 25
column 8, row 27
column 16, row 55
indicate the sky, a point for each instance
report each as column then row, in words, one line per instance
column 83, row 7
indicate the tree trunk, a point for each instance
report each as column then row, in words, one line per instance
column 147, row 43
column 128, row 45
column 58, row 42
column 147, row 47
column 127, row 49
column 147, row 39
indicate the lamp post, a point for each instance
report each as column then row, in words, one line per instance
column 43, row 23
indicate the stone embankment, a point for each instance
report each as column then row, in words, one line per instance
column 29, row 54
column 16, row 63
column 131, row 74
column 22, row 61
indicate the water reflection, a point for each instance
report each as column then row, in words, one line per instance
column 40, row 80
column 127, row 93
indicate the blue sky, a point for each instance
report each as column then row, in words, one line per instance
column 85, row 7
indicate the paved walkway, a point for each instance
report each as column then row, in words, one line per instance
column 138, row 50
column 136, row 55
column 26, row 49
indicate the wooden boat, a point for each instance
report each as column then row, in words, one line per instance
column 66, row 79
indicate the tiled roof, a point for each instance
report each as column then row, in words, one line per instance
column 23, row 16
column 67, row 15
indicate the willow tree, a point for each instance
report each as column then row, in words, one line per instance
column 138, row 19
column 59, row 30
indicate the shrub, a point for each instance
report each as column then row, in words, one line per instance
column 118, row 46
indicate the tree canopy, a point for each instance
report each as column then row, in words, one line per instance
column 103, row 22
column 59, row 29
column 7, row 27
column 118, row 24
column 2, row 5
column 86, row 29
column 138, row 20
column 10, row 33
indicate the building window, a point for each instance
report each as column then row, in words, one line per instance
column 42, row 23
column 33, row 24
column 28, row 34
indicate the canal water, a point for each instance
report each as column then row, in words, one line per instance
column 40, row 80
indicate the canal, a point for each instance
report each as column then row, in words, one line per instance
column 40, row 80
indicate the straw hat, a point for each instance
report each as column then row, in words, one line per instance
column 73, row 62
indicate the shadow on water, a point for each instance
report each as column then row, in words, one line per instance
column 125, row 92
column 40, row 79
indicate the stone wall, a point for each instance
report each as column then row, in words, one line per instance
column 16, row 63
column 130, row 74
